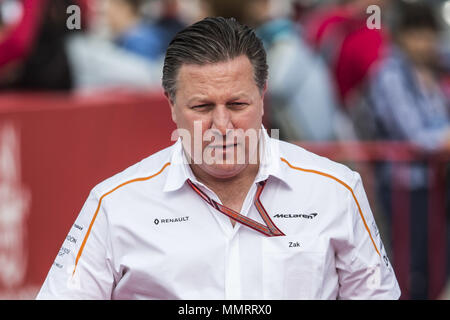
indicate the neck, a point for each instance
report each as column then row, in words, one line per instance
column 238, row 183
column 232, row 191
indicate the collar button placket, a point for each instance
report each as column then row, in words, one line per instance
column 233, row 270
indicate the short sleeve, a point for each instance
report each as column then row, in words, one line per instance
column 82, row 267
column 363, row 266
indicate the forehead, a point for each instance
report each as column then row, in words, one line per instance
column 216, row 77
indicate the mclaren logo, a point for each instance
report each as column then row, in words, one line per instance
column 305, row 216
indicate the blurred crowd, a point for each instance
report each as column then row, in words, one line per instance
column 338, row 70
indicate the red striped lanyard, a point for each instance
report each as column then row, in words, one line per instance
column 270, row 229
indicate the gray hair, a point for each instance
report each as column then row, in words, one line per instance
column 213, row 40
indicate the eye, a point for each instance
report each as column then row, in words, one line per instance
column 238, row 104
column 201, row 106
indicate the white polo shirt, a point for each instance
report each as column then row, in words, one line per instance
column 146, row 234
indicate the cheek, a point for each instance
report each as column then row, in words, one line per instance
column 250, row 119
column 186, row 118
column 194, row 123
column 198, row 123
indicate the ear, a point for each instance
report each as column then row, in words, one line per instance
column 172, row 106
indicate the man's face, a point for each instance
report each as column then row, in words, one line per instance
column 219, row 102
column 421, row 45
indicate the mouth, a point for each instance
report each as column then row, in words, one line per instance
column 225, row 146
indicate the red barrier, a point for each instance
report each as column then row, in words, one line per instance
column 53, row 150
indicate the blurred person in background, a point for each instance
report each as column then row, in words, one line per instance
column 406, row 86
column 46, row 65
column 17, row 37
column 407, row 104
column 40, row 52
column 301, row 95
column 131, row 31
column 339, row 32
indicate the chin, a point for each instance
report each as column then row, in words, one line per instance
column 223, row 171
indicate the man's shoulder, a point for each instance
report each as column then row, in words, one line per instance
column 299, row 159
column 145, row 169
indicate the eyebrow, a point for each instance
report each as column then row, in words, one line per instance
column 205, row 100
column 239, row 96
column 198, row 100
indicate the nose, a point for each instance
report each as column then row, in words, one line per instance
column 221, row 120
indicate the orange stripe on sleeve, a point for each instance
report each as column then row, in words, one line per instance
column 98, row 209
column 346, row 186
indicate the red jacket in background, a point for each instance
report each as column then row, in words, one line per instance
column 350, row 48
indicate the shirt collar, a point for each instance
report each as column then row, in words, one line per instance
column 270, row 163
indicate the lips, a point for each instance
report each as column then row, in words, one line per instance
column 224, row 146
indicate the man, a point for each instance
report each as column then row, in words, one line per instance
column 232, row 215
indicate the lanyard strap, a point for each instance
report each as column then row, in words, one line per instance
column 270, row 229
